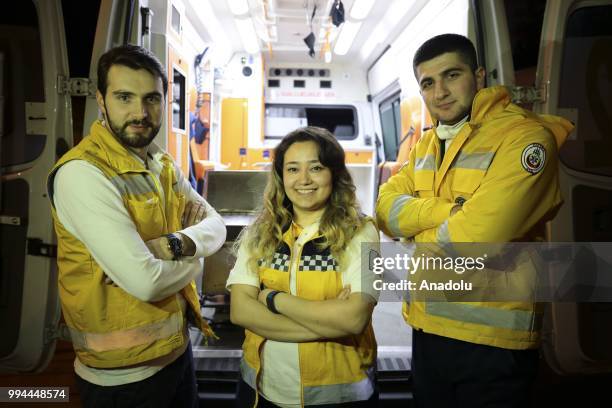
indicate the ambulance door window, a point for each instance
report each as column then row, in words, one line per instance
column 21, row 87
column 524, row 27
column 340, row 120
column 22, row 83
column 391, row 126
column 80, row 28
column 178, row 100
column 281, row 119
column 586, row 89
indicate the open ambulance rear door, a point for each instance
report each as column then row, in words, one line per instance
column 46, row 48
column 35, row 126
column 574, row 80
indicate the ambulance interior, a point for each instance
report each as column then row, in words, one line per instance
column 243, row 73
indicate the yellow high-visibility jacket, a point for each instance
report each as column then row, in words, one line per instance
column 108, row 326
column 503, row 167
column 335, row 369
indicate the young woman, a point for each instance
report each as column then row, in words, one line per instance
column 298, row 286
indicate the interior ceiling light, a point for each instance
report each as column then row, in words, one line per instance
column 271, row 7
column 361, row 9
column 249, row 37
column 238, row 7
column 395, row 12
column 337, row 13
column 346, row 37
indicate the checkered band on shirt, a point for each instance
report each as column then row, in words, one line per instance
column 317, row 263
column 280, row 262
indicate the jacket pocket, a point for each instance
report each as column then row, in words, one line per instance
column 424, row 183
column 465, row 185
column 148, row 217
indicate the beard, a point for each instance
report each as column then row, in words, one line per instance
column 134, row 140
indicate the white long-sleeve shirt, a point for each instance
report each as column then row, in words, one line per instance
column 91, row 208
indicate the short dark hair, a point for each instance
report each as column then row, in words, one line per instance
column 131, row 56
column 442, row 44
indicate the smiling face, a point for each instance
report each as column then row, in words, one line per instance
column 448, row 86
column 133, row 105
column 307, row 183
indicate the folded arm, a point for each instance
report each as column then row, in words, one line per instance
column 91, row 209
column 400, row 213
column 351, row 310
column 510, row 201
column 246, row 311
column 330, row 318
column 207, row 232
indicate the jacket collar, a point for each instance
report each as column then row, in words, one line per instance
column 308, row 233
column 488, row 102
column 491, row 101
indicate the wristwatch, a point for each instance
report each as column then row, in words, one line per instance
column 175, row 245
column 270, row 301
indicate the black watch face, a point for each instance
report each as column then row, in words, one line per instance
column 175, row 245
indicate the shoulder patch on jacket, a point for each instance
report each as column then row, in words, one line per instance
column 533, row 158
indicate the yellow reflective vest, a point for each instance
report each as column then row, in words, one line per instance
column 335, row 369
column 503, row 168
column 108, row 326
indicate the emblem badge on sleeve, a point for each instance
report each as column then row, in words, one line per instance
column 533, row 158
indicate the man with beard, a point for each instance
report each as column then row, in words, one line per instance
column 131, row 237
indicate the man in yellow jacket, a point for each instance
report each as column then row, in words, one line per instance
column 131, row 237
column 487, row 172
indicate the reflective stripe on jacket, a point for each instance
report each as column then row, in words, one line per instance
column 502, row 167
column 109, row 327
column 339, row 370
